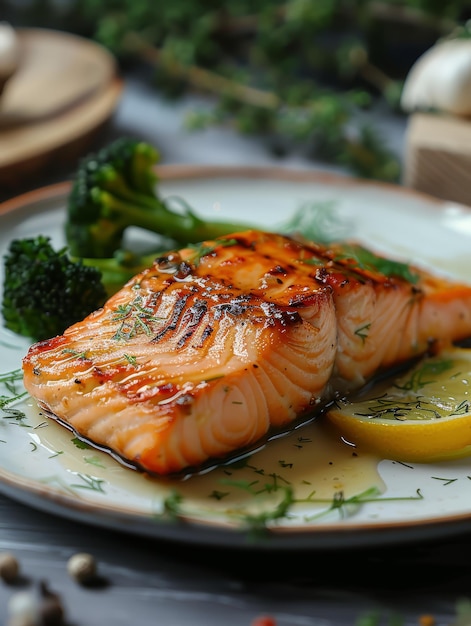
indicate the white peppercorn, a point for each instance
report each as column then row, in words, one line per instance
column 23, row 609
column 82, row 567
column 9, row 567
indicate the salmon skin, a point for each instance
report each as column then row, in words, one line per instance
column 214, row 346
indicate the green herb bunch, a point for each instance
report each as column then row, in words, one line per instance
column 296, row 73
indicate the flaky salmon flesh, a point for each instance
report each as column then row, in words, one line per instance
column 211, row 348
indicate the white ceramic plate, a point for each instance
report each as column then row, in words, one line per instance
column 343, row 499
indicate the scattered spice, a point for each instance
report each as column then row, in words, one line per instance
column 38, row 606
column 264, row 620
column 82, row 567
column 9, row 567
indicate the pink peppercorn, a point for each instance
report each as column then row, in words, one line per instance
column 264, row 620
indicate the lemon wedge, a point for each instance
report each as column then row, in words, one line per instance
column 423, row 415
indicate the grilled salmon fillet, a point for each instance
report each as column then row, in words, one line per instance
column 203, row 353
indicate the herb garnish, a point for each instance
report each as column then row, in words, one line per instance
column 89, row 482
column 367, row 260
column 6, row 402
column 200, row 250
column 362, row 332
column 317, row 221
column 421, row 377
column 134, row 316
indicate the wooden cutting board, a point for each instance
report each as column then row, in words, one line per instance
column 64, row 90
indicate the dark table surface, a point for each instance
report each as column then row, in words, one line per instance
column 151, row 581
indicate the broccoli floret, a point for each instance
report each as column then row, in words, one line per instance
column 44, row 291
column 116, row 189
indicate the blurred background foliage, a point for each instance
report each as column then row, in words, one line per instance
column 300, row 73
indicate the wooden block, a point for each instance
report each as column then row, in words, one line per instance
column 64, row 92
column 437, row 156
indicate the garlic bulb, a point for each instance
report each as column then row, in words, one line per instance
column 9, row 53
column 440, row 79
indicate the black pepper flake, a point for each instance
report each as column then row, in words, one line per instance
column 184, row 270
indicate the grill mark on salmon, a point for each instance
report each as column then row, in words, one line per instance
column 174, row 320
column 201, row 355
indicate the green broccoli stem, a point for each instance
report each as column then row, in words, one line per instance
column 116, row 190
column 185, row 227
column 117, row 270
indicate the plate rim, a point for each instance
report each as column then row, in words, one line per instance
column 172, row 172
column 321, row 537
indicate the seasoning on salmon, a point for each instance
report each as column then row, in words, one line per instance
column 205, row 352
